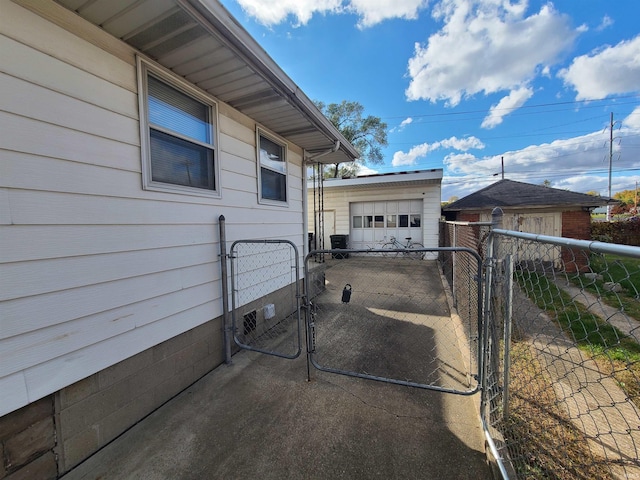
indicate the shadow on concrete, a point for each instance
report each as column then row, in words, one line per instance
column 260, row 418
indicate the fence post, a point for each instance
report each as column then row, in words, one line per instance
column 507, row 335
column 225, row 291
column 486, row 348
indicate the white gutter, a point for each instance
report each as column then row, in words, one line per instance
column 312, row 158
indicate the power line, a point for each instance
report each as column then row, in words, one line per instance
column 585, row 103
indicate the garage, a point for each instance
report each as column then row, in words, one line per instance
column 373, row 223
column 371, row 209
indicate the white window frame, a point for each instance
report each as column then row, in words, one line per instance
column 144, row 69
column 269, row 201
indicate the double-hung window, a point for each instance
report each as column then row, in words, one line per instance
column 272, row 170
column 178, row 126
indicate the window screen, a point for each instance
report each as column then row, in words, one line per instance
column 181, row 140
column 273, row 170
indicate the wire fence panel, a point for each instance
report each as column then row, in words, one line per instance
column 563, row 399
column 265, row 297
column 461, row 272
column 387, row 318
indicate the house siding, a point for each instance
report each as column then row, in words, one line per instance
column 96, row 272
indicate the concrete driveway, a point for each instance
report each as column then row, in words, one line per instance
column 261, row 418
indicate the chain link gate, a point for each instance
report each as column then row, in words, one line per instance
column 266, row 297
column 387, row 318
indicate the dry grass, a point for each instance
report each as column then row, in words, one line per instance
column 543, row 443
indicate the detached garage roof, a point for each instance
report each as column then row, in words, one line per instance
column 397, row 179
column 200, row 41
column 509, row 193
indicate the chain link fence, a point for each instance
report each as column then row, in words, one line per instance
column 387, row 318
column 265, row 297
column 561, row 371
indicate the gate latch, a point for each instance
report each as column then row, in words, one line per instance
column 346, row 293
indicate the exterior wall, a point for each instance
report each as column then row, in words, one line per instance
column 576, row 224
column 95, row 270
column 338, row 199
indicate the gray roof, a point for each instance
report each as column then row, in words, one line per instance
column 509, row 193
column 202, row 42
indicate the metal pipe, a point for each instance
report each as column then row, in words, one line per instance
column 507, row 335
column 592, row 246
column 225, row 291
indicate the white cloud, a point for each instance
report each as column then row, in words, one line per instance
column 370, row 12
column 406, row 122
column 485, row 46
column 578, row 164
column 412, row 156
column 632, row 121
column 403, row 124
column 420, row 151
column 609, row 71
column 506, row 105
column 273, row 12
column 607, row 21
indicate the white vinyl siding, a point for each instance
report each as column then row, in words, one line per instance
column 93, row 268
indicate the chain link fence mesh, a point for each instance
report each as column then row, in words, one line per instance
column 572, row 409
column 387, row 318
column 265, row 296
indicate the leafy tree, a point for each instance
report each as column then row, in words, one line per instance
column 367, row 134
column 593, row 193
column 626, row 196
column 546, row 183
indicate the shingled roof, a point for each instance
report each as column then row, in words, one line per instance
column 509, row 193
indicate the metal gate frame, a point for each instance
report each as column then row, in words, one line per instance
column 233, row 256
column 310, row 313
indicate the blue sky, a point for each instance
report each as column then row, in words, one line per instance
column 463, row 84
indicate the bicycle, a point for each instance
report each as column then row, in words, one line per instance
column 408, row 249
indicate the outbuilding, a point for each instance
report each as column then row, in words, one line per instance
column 371, row 209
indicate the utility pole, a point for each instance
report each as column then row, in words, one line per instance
column 610, row 163
column 502, row 160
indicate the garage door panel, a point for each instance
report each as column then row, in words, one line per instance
column 379, row 221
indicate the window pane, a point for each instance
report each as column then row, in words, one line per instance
column 274, row 185
column 368, row 221
column 357, row 222
column 173, row 110
column 391, row 221
column 271, row 155
column 180, row 162
column 379, row 221
column 415, row 220
column 403, row 220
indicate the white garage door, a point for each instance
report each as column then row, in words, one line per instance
column 373, row 223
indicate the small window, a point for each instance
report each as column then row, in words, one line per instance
column 403, row 220
column 368, row 221
column 357, row 221
column 378, row 221
column 178, row 129
column 391, row 221
column 273, row 169
column 415, row 220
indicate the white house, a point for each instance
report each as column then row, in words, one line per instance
column 127, row 129
column 373, row 208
